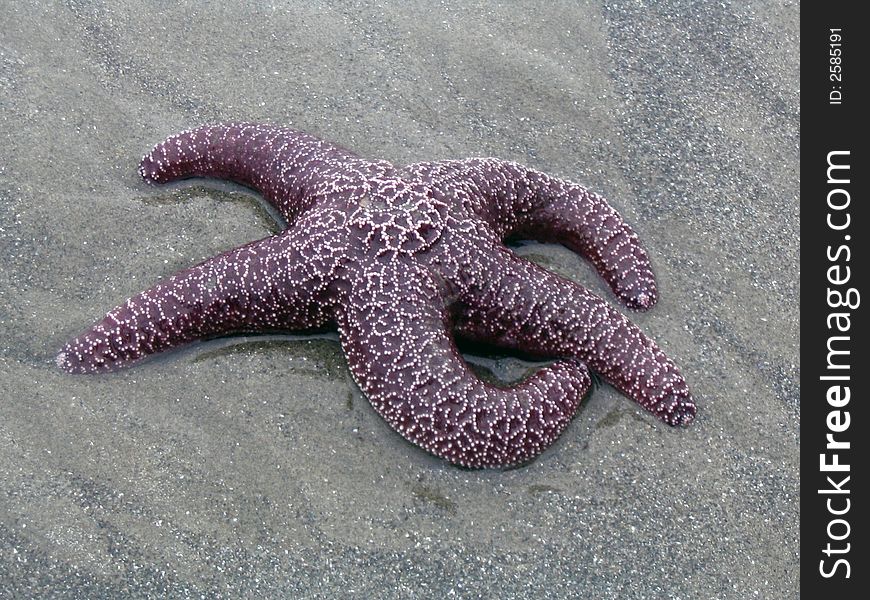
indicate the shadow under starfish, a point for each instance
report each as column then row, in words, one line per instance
column 400, row 260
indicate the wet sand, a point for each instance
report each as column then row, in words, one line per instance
column 254, row 467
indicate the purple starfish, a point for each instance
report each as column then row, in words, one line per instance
column 400, row 259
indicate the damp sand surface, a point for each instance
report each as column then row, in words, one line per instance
column 253, row 467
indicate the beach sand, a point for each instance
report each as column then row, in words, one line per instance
column 253, row 467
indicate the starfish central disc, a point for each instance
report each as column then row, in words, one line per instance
column 397, row 217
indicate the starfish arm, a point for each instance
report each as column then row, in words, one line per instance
column 530, row 309
column 268, row 285
column 288, row 167
column 518, row 201
column 394, row 334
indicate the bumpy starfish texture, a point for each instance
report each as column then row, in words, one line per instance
column 401, row 260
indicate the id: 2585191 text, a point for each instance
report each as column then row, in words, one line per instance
column 835, row 65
